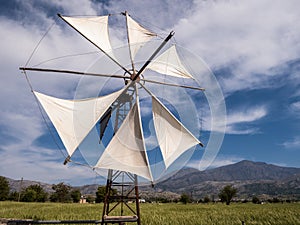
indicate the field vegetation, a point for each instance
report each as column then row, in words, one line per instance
column 168, row 213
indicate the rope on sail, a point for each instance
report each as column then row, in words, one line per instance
column 66, row 56
column 38, row 44
column 51, row 132
column 158, row 30
column 43, row 116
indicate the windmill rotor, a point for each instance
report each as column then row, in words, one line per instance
column 74, row 125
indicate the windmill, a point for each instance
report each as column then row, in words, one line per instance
column 125, row 155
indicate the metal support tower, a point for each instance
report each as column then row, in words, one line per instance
column 121, row 203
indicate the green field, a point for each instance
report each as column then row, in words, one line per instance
column 175, row 214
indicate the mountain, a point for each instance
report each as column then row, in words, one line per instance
column 241, row 171
column 250, row 178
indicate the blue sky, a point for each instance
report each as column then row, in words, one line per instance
column 252, row 47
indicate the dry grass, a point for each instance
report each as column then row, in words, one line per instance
column 175, row 214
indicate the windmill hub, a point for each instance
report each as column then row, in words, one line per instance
column 133, row 76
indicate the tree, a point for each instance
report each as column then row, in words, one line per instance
column 29, row 195
column 206, row 199
column 185, row 198
column 275, row 200
column 100, row 194
column 61, row 194
column 13, row 196
column 4, row 189
column 75, row 195
column 255, row 200
column 90, row 199
column 227, row 193
column 34, row 193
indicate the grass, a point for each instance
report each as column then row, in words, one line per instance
column 152, row 214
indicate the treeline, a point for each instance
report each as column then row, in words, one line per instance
column 227, row 194
column 65, row 193
column 35, row 193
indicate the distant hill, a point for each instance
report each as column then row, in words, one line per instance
column 16, row 185
column 250, row 178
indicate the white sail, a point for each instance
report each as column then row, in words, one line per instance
column 94, row 29
column 173, row 138
column 74, row 119
column 126, row 151
column 137, row 35
column 170, row 64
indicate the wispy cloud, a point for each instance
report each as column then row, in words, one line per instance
column 295, row 108
column 294, row 143
column 220, row 160
column 240, row 122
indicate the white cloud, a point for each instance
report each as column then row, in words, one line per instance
column 248, row 115
column 295, row 108
column 252, row 36
column 220, row 160
column 238, row 121
column 76, row 7
column 292, row 144
column 159, row 15
column 42, row 165
column 244, row 117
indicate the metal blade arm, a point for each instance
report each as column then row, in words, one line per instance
column 154, row 54
column 114, row 60
column 72, row 72
column 104, row 75
column 173, row 85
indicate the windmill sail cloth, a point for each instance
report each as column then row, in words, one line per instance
column 173, row 138
column 137, row 35
column 126, row 151
column 170, row 64
column 94, row 29
column 74, row 119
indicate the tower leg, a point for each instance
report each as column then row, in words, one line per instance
column 137, row 199
column 120, row 193
column 107, row 195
